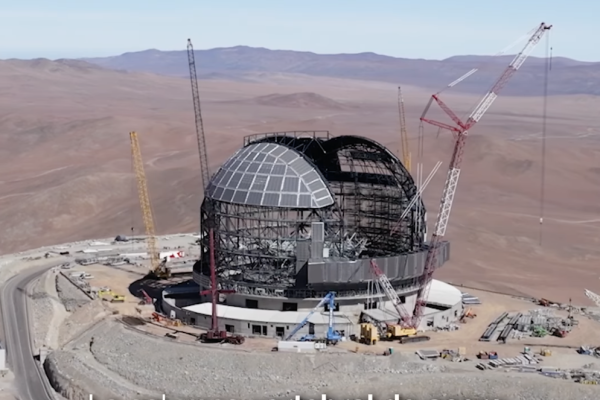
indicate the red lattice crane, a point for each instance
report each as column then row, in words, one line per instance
column 201, row 137
column 460, row 129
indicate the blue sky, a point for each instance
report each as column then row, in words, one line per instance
column 432, row 29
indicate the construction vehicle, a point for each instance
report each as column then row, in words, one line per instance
column 158, row 268
column 117, row 298
column 545, row 352
column 460, row 129
column 394, row 332
column 404, row 335
column 406, row 155
column 468, row 313
column 386, row 285
column 561, row 333
column 214, row 335
column 332, row 336
column 369, row 334
column 107, row 294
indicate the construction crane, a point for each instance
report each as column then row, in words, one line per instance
column 159, row 269
column 461, row 129
column 198, row 116
column 332, row 336
column 214, row 334
column 593, row 297
column 405, row 319
column 406, row 155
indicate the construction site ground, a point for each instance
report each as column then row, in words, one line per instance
column 146, row 345
column 121, row 279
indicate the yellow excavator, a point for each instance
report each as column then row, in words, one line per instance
column 159, row 269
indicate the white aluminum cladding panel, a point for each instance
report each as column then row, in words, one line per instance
column 272, row 175
column 318, row 231
column 396, row 268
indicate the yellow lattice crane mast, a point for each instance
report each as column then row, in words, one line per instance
column 158, row 268
column 406, row 156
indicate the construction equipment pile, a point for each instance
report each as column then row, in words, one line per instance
column 524, row 362
column 589, row 351
column 536, row 323
column 528, row 362
column 454, row 355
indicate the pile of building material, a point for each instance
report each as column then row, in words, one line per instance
column 535, row 323
column 454, row 355
column 470, row 299
column 428, row 354
column 589, row 351
column 523, row 360
column 493, row 330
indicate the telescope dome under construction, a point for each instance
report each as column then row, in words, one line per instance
column 299, row 214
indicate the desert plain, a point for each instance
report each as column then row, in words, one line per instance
column 66, row 171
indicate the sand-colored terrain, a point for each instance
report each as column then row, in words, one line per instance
column 65, row 167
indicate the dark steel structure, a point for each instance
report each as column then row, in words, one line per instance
column 299, row 211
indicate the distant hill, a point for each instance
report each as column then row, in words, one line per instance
column 566, row 77
column 297, row 100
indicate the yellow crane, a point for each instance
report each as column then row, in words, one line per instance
column 406, row 156
column 158, row 268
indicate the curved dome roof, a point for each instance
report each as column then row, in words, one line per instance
column 270, row 174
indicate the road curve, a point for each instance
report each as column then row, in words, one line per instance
column 29, row 378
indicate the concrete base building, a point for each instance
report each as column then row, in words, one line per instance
column 444, row 308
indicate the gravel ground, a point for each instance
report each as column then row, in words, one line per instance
column 182, row 371
column 76, row 375
column 81, row 320
column 43, row 310
column 71, row 297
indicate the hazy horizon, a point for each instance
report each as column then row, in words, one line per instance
column 438, row 30
column 539, row 56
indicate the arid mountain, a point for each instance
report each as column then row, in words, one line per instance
column 65, row 164
column 298, row 100
column 566, row 76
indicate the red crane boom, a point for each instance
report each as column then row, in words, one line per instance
column 461, row 130
column 202, row 153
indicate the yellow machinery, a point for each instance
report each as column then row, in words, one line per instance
column 109, row 295
column 546, row 352
column 159, row 269
column 406, row 156
column 368, row 334
column 117, row 298
column 397, row 331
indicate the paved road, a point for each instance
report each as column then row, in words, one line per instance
column 29, row 378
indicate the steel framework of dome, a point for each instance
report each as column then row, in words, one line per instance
column 263, row 204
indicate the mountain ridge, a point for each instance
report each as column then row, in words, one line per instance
column 567, row 76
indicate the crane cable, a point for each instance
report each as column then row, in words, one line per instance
column 547, row 68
